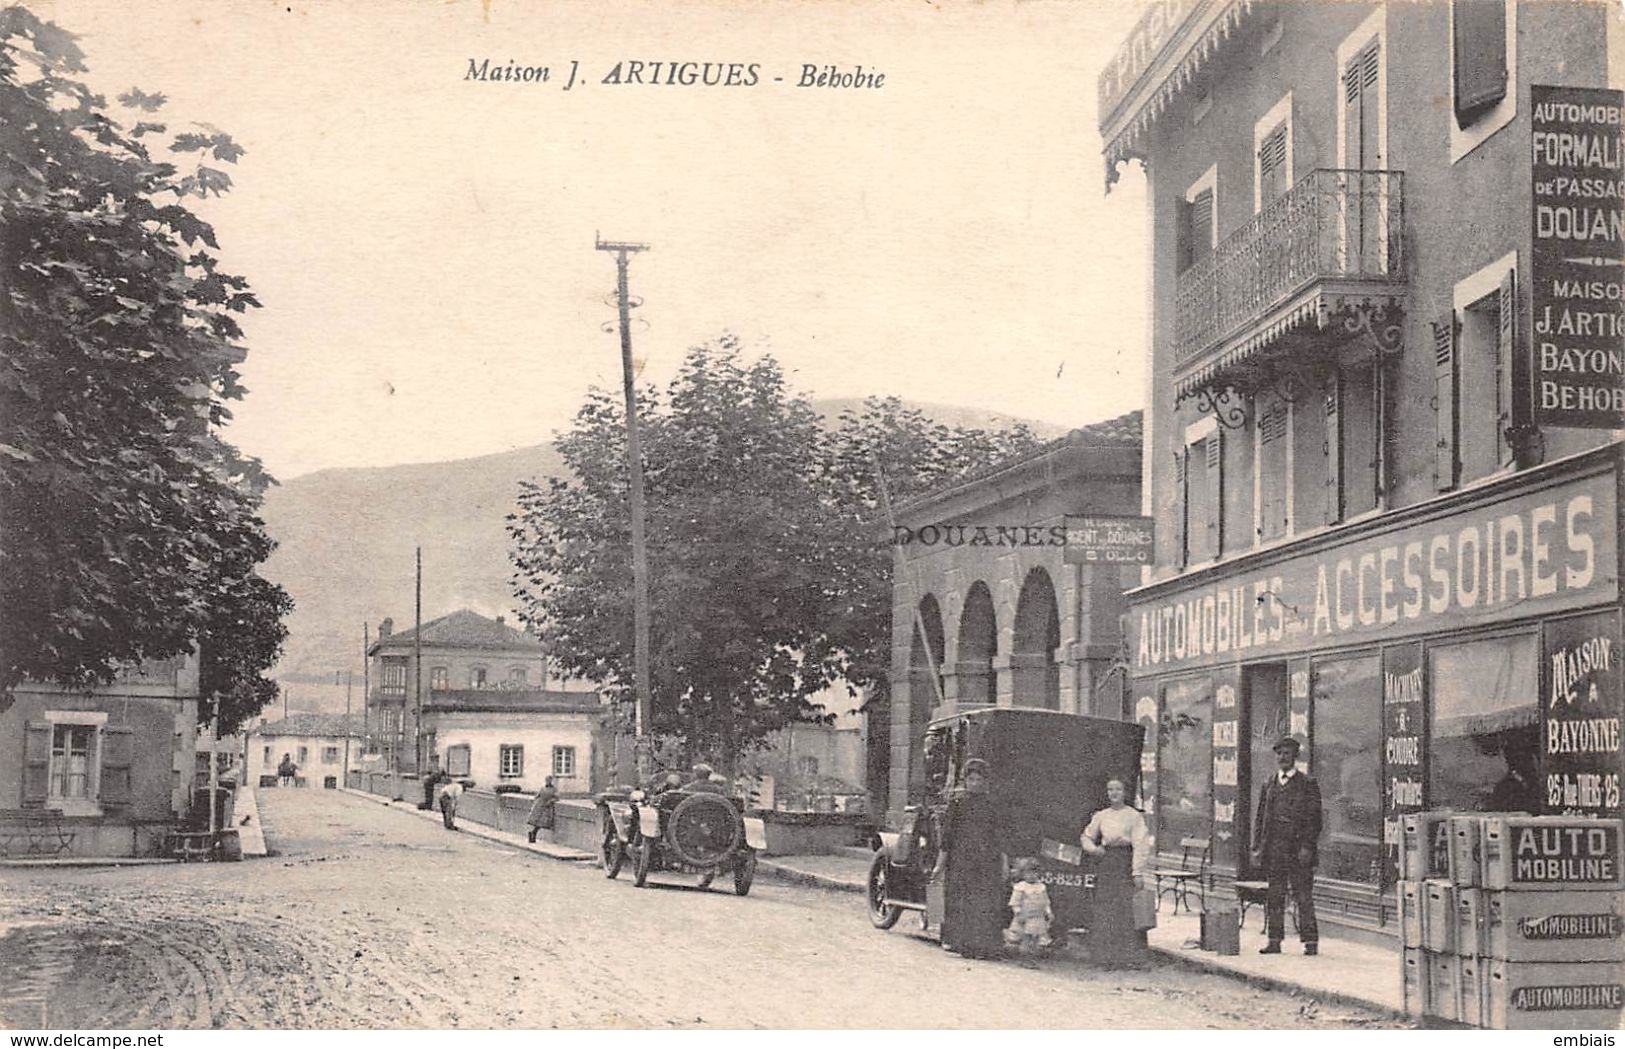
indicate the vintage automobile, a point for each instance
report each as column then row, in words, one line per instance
column 1047, row 774
column 686, row 829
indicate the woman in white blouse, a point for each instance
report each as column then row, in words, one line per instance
column 1117, row 837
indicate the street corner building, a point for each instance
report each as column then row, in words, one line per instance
column 989, row 608
column 1382, row 441
column 103, row 772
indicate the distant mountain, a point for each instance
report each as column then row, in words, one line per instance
column 346, row 539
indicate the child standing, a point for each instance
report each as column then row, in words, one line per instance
column 1029, row 903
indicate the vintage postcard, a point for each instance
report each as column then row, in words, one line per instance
column 1055, row 514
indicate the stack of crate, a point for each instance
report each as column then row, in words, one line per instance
column 1513, row 921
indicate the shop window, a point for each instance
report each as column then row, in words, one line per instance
column 1184, row 762
column 1484, row 738
column 564, row 761
column 330, row 782
column 511, row 760
column 439, row 680
column 1347, row 748
column 457, row 760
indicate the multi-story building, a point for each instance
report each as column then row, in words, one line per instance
column 1385, row 356
column 988, row 609
column 487, row 712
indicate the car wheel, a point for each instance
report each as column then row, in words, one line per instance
column 882, row 915
column 613, row 854
column 643, row 858
column 745, row 873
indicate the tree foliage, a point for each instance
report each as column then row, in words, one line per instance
column 888, row 444
column 739, row 554
column 770, row 563
column 128, row 525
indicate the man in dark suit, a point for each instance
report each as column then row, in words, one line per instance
column 1285, row 830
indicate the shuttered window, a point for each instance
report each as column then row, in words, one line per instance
column 1273, row 478
column 1333, row 448
column 1201, row 478
column 1479, row 29
column 1182, row 519
column 1446, row 460
column 1214, row 455
column 1272, row 168
column 1508, row 410
column 1195, row 229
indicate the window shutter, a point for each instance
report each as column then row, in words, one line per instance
column 1215, row 493
column 118, row 750
column 1272, row 165
column 1481, row 56
column 1182, row 223
column 1334, row 448
column 36, row 763
column 1445, row 464
column 1512, row 413
column 1182, row 518
column 1201, row 226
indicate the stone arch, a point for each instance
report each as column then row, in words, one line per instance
column 1036, row 634
column 978, row 644
column 924, row 685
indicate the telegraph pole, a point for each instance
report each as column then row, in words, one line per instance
column 640, row 553
column 349, row 680
column 417, row 674
column 366, row 689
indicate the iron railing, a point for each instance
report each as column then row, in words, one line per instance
column 1332, row 225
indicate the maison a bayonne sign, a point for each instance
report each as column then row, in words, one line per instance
column 1577, row 280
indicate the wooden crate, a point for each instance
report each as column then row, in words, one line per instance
column 1572, row 926
column 1439, row 915
column 1551, row 852
column 1562, row 996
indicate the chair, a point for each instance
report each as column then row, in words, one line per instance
column 1179, row 878
column 1249, row 893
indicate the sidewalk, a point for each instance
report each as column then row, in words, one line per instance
column 1346, row 971
column 480, row 830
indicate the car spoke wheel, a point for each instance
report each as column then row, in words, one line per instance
column 745, row 873
column 613, row 855
column 882, row 915
column 643, row 858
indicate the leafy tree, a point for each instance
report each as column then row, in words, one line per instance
column 128, row 525
column 739, row 550
column 888, row 442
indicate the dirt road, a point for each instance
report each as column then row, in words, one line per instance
column 369, row 917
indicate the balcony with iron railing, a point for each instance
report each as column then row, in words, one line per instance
column 1334, row 237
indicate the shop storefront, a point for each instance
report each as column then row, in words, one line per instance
column 1464, row 652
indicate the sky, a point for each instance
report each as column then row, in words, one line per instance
column 424, row 243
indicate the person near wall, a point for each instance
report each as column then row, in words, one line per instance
column 450, row 792
column 972, row 869
column 543, row 810
column 1118, row 839
column 286, row 770
column 1286, row 829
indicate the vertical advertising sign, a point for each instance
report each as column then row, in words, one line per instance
column 1577, row 278
column 1226, row 767
column 1582, row 699
column 1402, row 746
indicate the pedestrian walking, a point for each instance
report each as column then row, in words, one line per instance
column 543, row 810
column 1117, row 837
column 286, row 770
column 449, row 793
column 1285, row 832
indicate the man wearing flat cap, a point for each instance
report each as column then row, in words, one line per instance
column 1285, row 830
